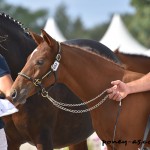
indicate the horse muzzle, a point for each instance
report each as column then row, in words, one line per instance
column 19, row 97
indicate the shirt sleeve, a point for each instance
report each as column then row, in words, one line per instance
column 4, row 69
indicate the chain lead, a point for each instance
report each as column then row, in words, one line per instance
column 61, row 105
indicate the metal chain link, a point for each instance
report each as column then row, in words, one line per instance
column 45, row 94
column 78, row 111
column 61, row 105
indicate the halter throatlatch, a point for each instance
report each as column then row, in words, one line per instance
column 53, row 69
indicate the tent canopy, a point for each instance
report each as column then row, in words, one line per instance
column 117, row 36
column 52, row 29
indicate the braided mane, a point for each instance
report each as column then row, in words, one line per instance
column 14, row 22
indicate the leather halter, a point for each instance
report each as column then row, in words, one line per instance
column 53, row 69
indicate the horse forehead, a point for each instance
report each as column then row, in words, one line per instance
column 33, row 53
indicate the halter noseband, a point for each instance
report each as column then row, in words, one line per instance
column 53, row 69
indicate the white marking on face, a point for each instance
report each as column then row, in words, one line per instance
column 33, row 53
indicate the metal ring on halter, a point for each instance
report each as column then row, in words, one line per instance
column 58, row 57
column 44, row 93
column 37, row 82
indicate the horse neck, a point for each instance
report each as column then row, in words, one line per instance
column 86, row 73
column 16, row 48
column 17, row 38
column 16, row 34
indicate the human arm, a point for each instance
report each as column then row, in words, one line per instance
column 6, row 107
column 5, row 77
column 5, row 84
column 120, row 89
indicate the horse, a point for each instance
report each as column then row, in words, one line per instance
column 88, row 75
column 133, row 62
column 137, row 63
column 15, row 45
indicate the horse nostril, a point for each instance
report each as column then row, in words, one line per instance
column 14, row 94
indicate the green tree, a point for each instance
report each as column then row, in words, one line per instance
column 140, row 24
column 63, row 20
column 33, row 20
column 97, row 32
column 72, row 29
column 78, row 29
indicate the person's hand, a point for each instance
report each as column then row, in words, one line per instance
column 118, row 91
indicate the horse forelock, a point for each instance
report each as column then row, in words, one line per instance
column 13, row 22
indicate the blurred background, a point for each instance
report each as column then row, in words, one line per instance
column 82, row 19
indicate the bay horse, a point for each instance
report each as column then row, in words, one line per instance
column 137, row 63
column 15, row 45
column 88, row 75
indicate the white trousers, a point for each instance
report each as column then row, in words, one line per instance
column 3, row 140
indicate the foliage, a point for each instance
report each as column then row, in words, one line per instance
column 34, row 20
column 63, row 20
column 72, row 29
column 98, row 31
column 140, row 4
column 139, row 24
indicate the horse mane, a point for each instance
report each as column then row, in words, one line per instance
column 15, row 23
column 96, row 47
column 96, row 53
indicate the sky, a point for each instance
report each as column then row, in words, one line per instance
column 92, row 12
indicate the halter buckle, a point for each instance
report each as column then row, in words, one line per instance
column 37, row 82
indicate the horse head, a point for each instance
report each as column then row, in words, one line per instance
column 37, row 68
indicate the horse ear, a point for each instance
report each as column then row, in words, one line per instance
column 48, row 38
column 117, row 50
column 37, row 38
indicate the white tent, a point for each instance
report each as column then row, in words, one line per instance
column 52, row 29
column 117, row 36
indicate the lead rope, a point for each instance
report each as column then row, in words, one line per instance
column 146, row 133
column 114, row 134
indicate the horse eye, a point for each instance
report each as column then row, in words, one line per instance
column 40, row 62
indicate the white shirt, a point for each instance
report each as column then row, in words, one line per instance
column 7, row 108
